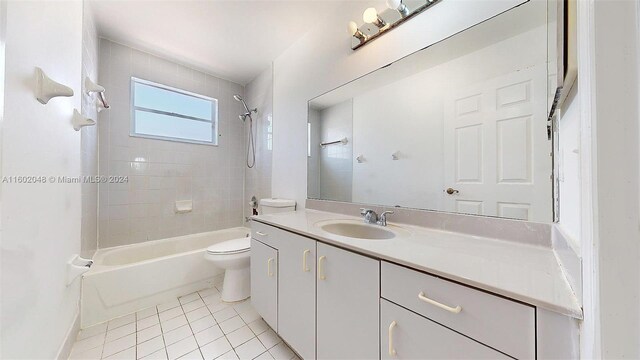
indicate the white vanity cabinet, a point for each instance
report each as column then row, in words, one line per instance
column 406, row 335
column 264, row 282
column 348, row 305
column 297, row 293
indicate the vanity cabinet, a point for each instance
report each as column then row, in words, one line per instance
column 264, row 282
column 297, row 293
column 348, row 288
column 406, row 335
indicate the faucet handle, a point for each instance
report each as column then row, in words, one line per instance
column 382, row 218
column 364, row 211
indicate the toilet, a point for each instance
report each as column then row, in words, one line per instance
column 234, row 255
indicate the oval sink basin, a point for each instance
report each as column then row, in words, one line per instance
column 359, row 230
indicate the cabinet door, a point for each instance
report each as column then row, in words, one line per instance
column 348, row 291
column 406, row 335
column 297, row 293
column 264, row 282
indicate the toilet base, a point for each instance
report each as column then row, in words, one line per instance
column 236, row 285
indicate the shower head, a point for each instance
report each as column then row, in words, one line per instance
column 237, row 97
column 240, row 99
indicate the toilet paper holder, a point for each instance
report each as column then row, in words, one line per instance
column 77, row 266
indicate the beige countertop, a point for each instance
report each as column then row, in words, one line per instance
column 527, row 273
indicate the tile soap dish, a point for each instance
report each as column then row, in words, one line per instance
column 183, row 206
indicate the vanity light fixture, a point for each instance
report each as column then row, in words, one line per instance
column 399, row 6
column 355, row 32
column 376, row 24
column 370, row 16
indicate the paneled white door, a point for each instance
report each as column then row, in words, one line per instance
column 264, row 282
column 496, row 151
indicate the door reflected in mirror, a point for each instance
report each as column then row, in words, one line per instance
column 460, row 126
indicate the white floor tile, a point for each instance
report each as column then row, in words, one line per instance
column 92, row 331
column 91, row 354
column 158, row 355
column 240, row 336
column 128, row 354
column 176, row 335
column 249, row 315
column 182, row 347
column 147, row 322
column 281, row 352
column 258, row 326
column 148, row 333
column 121, row 331
column 121, row 321
column 212, row 299
column 89, row 343
column 232, row 324
column 216, row 348
column 150, row 346
column 217, row 306
column 197, row 314
column 118, row 345
column 146, row 313
column 269, row 339
column 229, row 355
column 194, row 355
column 202, row 323
column 250, row 349
column 264, row 356
column 206, row 292
column 173, row 323
column 168, row 305
column 171, row 313
column 190, row 306
column 189, row 298
column 225, row 314
column 208, row 335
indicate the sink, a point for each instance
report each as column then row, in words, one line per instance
column 359, row 230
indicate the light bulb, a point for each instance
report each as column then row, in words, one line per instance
column 370, row 15
column 353, row 28
column 394, row 4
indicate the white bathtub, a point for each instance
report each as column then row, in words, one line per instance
column 129, row 278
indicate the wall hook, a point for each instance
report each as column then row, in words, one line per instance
column 91, row 87
column 78, row 120
column 47, row 88
column 395, row 155
column 360, row 158
column 99, row 105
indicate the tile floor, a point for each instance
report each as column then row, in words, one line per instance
column 194, row 326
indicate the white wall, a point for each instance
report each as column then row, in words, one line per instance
column 322, row 60
column 259, row 94
column 161, row 172
column 89, row 137
column 40, row 222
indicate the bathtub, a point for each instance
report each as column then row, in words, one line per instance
column 125, row 279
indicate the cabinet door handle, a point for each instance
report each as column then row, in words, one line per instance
column 304, row 260
column 450, row 309
column 320, row 270
column 269, row 272
column 392, row 351
column 261, row 233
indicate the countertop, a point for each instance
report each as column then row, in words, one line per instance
column 527, row 273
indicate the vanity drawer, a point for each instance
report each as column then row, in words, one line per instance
column 503, row 324
column 266, row 234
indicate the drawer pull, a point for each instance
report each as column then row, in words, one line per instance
column 320, row 269
column 305, row 268
column 450, row 309
column 261, row 233
column 269, row 272
column 392, row 351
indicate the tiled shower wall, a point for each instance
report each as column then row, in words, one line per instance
column 161, row 172
column 259, row 94
column 89, row 138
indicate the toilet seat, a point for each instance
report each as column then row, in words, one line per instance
column 229, row 247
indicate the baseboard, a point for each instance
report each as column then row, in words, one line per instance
column 70, row 338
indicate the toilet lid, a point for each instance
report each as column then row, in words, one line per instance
column 231, row 246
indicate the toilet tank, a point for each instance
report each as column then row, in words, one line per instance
column 275, row 205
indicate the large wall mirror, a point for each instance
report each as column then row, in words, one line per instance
column 460, row 126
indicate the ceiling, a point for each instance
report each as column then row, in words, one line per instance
column 235, row 40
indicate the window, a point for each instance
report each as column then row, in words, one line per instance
column 163, row 112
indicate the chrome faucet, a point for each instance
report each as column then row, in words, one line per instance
column 370, row 217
